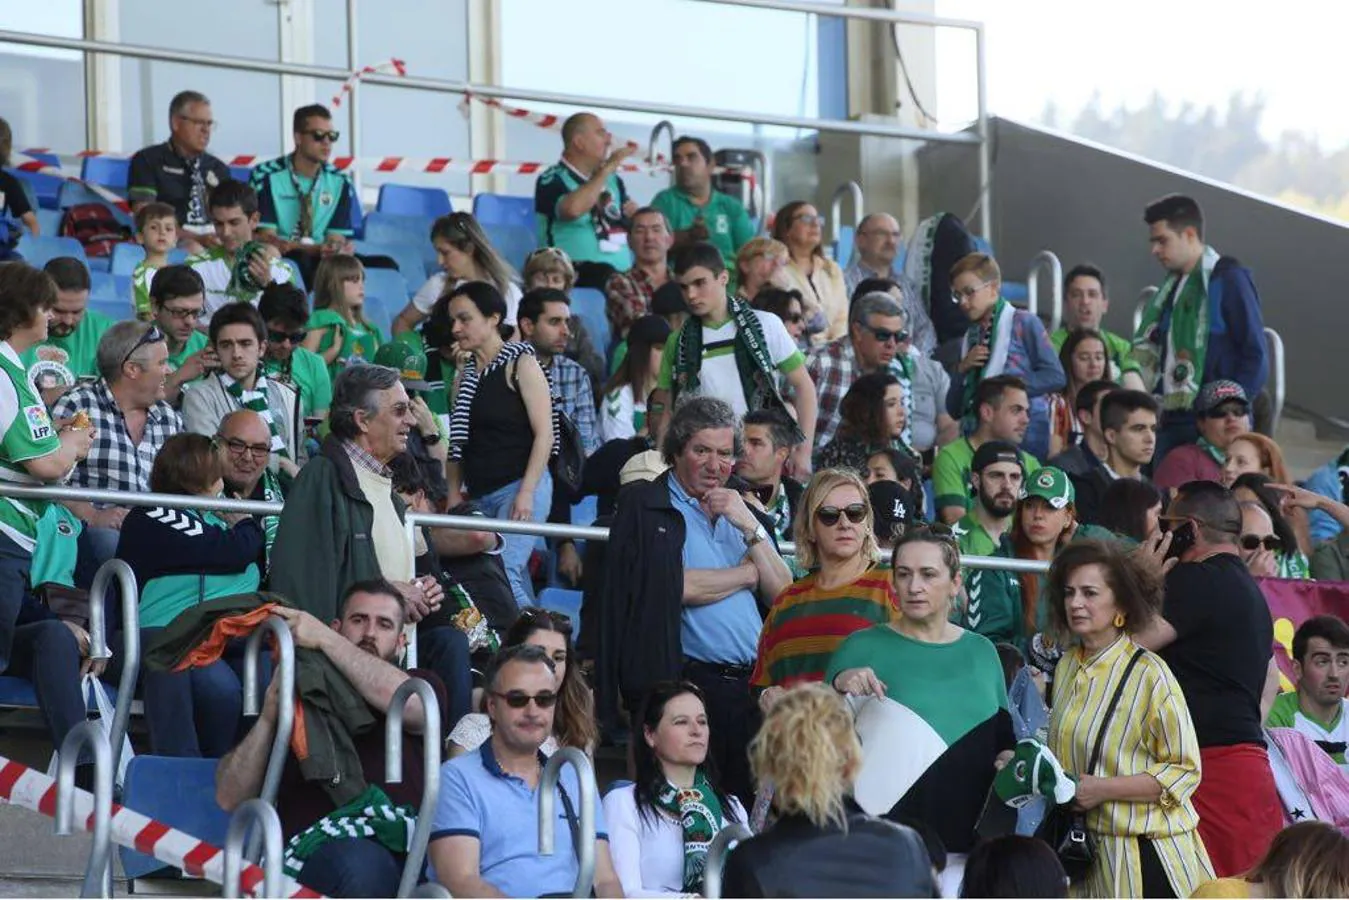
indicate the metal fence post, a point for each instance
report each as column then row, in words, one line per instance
column 549, row 782
column 262, row 814
column 722, row 844
column 285, row 707
column 393, row 769
column 131, row 644
column 98, row 872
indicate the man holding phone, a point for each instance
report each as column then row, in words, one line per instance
column 1216, row 634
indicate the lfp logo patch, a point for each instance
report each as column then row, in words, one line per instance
column 39, row 425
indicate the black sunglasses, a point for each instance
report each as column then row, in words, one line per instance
column 828, row 516
column 1253, row 542
column 885, row 336
column 519, row 699
column 329, row 136
column 152, row 336
column 295, row 337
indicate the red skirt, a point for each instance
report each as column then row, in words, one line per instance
column 1238, row 806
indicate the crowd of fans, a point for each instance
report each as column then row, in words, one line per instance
column 848, row 701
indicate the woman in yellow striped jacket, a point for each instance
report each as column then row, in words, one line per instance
column 1138, row 796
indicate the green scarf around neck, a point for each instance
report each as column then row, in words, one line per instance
column 1177, row 366
column 700, row 815
column 974, row 335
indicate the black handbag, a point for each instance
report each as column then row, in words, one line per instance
column 1064, row 828
column 567, row 466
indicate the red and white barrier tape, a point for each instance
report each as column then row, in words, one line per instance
column 40, row 167
column 395, row 66
column 31, row 789
column 546, row 121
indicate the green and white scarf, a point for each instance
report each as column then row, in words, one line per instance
column 752, row 361
column 1214, row 452
column 271, row 493
column 699, row 813
column 1186, row 347
column 999, row 342
column 918, row 258
column 371, row 815
column 257, row 401
column 1293, row 564
column 902, row 368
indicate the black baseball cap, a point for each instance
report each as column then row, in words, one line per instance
column 991, row 452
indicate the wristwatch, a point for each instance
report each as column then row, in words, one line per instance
column 759, row 534
column 431, row 439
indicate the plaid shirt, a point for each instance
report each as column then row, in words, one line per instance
column 833, row 367
column 629, row 296
column 574, row 395
column 114, row 462
column 359, row 457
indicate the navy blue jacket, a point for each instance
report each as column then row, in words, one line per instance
column 1236, row 344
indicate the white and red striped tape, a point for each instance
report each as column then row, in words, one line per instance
column 395, row 66
column 546, row 121
column 31, row 789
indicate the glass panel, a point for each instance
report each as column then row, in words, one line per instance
column 27, row 73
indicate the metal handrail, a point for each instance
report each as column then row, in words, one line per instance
column 263, row 814
column 1044, row 261
column 1144, row 297
column 836, row 209
column 393, row 769
column 98, row 872
column 662, row 125
column 548, row 784
column 131, row 644
column 722, row 844
column 1277, row 372
column 285, row 707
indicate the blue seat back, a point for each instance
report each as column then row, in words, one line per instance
column 588, row 304
column 357, row 215
column 408, row 257
column 386, row 293
column 45, row 188
column 49, row 220
column 843, row 246
column 125, row 257
column 241, row 173
column 561, row 600
column 178, row 792
column 503, row 209
column 108, row 171
column 513, row 242
column 36, row 251
column 407, row 200
column 19, row 693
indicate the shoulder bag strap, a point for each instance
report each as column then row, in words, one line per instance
column 1110, row 711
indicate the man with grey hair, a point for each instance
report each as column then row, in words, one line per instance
column 629, row 293
column 343, row 521
column 878, row 339
column 875, row 248
column 691, row 568
column 179, row 171
column 132, row 420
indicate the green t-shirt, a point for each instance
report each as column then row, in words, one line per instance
column 307, row 372
column 1119, row 350
column 194, row 344
column 951, row 473
column 26, row 432
column 359, row 342
column 76, row 353
column 141, row 276
column 599, row 235
column 58, row 547
column 1286, row 712
column 728, row 224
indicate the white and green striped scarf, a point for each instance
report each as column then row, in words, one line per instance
column 258, row 402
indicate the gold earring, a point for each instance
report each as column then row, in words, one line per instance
column 1119, row 620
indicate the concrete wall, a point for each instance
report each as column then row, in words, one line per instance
column 1085, row 202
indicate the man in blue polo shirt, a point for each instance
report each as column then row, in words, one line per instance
column 581, row 204
column 484, row 841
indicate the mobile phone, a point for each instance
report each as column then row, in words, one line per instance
column 1182, row 539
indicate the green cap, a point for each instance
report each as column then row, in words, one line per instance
column 408, row 360
column 1052, row 486
column 1033, row 772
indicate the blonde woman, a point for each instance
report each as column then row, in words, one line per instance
column 464, row 254
column 845, row 591
column 338, row 329
column 821, row 845
column 1309, row 859
column 798, row 225
column 758, row 265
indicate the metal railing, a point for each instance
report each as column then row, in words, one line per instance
column 1046, row 262
column 847, row 188
column 549, row 780
column 393, row 769
column 98, row 871
column 262, row 814
column 722, row 844
column 1277, row 377
column 285, row 707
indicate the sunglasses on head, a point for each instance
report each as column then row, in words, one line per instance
column 519, row 699
column 328, row 136
column 1253, row 542
column 295, row 337
column 152, row 336
column 828, row 516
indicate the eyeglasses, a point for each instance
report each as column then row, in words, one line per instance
column 294, row 337
column 324, row 136
column 1253, row 542
column 958, row 294
column 519, row 699
column 1226, row 412
column 152, row 336
column 816, row 219
column 200, row 123
column 240, row 448
column 181, row 314
column 828, row 516
column 885, row 336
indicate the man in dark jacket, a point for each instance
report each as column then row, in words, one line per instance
column 689, row 564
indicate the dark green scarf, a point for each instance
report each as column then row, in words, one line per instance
column 699, row 813
column 258, row 401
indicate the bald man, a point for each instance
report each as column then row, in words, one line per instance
column 581, row 205
column 875, row 255
column 245, row 443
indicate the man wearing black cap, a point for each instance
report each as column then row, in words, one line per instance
column 995, row 480
column 1222, row 412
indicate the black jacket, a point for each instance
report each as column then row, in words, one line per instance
column 794, row 858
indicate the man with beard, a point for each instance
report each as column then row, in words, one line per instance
column 770, row 436
column 70, row 350
column 995, row 480
column 246, row 444
column 363, row 644
column 697, row 211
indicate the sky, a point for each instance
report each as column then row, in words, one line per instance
column 1201, row 51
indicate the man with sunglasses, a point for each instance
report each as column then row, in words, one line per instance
column 1222, row 413
column 484, row 839
column 179, row 171
column 363, row 644
column 177, row 302
column 285, row 310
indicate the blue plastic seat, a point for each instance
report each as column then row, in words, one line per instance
column 36, row 251
column 44, row 188
column 241, row 173
column 561, row 600
column 392, row 228
column 513, row 242
column 588, row 304
column 108, row 171
column 386, row 293
column 125, row 257
column 102, row 286
column 178, row 792
column 408, row 257
column 407, row 200
column 19, row 693
column 504, row 209
column 49, row 220
column 585, row 512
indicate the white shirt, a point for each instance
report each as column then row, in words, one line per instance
column 719, row 376
column 216, row 267
column 648, row 852
column 617, row 414
column 431, row 291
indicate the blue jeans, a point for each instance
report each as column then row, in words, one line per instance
column 444, row 650
column 517, row 548
column 102, row 543
column 15, row 563
column 46, row 654
column 197, row 712
column 353, row 867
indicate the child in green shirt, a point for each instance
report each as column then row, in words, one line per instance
column 157, row 232
column 338, row 329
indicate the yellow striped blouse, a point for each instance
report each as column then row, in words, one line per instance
column 1150, row 733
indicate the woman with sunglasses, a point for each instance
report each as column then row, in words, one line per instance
column 871, row 419
column 844, row 591
column 574, row 721
column 1288, row 558
column 1084, row 359
column 1254, row 453
column 815, row 276
column 787, row 306
column 939, row 685
column 464, row 253
column 1138, row 794
column 660, row 826
column 759, row 265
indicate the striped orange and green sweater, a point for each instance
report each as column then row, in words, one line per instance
column 806, row 625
